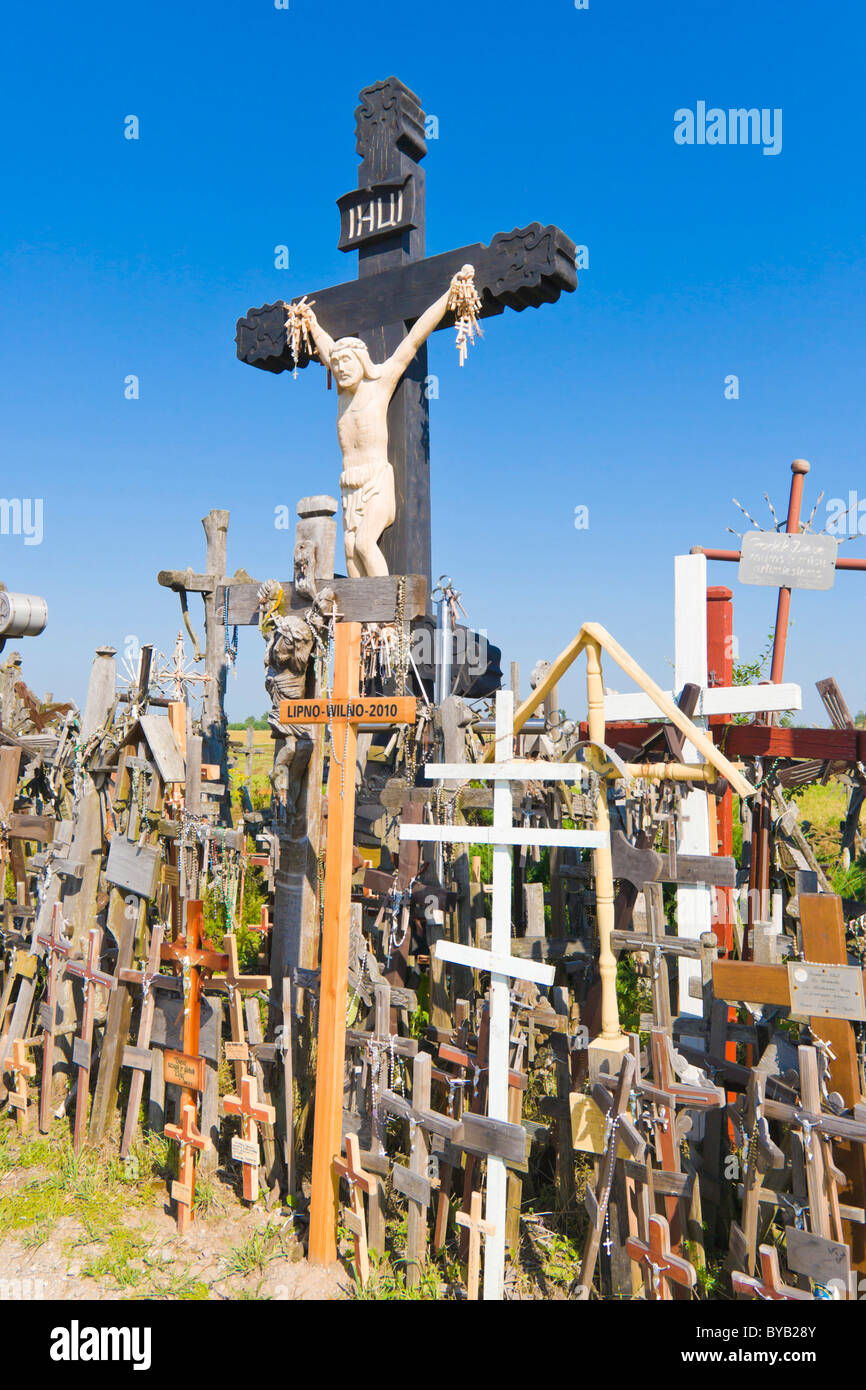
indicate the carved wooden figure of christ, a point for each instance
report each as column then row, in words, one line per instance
column 383, row 220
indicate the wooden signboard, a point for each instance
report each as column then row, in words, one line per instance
column 788, row 562
column 132, row 867
column 181, row 1069
column 394, row 709
column 588, row 1127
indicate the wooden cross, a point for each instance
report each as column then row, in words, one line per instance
column 140, row 1058
column 618, row 1130
column 189, row 1138
column 415, row 1182
column 21, row 1070
column 59, row 949
column 763, row 1155
column 88, row 971
column 771, row 1285
column 476, row 1226
column 384, row 222
column 359, row 1183
column 662, row 1267
column 499, row 961
column 233, row 983
column 343, row 711
column 253, row 1113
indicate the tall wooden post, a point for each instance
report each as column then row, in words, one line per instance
column 327, row 1132
column 216, row 525
column 610, row 1029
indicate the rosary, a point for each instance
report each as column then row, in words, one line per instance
column 464, row 302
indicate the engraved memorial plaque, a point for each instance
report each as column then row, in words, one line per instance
column 826, row 991
column 245, row 1151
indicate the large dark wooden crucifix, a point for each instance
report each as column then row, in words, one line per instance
column 383, row 220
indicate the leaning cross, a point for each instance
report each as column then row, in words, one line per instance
column 658, row 1261
column 498, row 960
column 21, row 1070
column 59, row 949
column 476, row 1227
column 359, row 1183
column 384, row 222
column 233, row 983
column 88, row 971
column 139, row 1058
column 770, row 1286
column 253, row 1113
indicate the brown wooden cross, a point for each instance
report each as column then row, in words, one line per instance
column 253, row 1113
column 21, row 1070
column 359, row 1183
column 771, row 1285
column 415, row 1182
column 476, row 1227
column 662, row 1267
column 140, row 1058
column 59, row 949
column 233, row 984
column 823, row 932
column 189, row 1138
column 618, row 1130
column 763, row 1155
column 88, row 971
column 343, row 710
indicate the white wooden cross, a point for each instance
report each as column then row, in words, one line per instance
column 694, row 901
column 503, row 967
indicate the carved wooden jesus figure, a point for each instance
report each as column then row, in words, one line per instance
column 364, row 390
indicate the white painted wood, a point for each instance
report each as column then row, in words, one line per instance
column 519, row 770
column 720, row 699
column 694, row 902
column 492, row 835
column 512, row 966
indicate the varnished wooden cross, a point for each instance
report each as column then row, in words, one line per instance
column 253, row 1113
column 359, row 1183
column 59, row 949
column 656, row 1258
column 477, row 1227
column 189, row 1138
column 233, row 984
column 88, row 971
column 21, row 1070
column 619, row 1129
column 770, row 1286
column 343, row 710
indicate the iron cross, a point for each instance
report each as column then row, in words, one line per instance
column 383, row 220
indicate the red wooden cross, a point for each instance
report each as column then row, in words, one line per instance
column 771, row 1285
column 253, row 1113
column 659, row 1262
column 58, row 949
column 188, row 1136
column 88, row 971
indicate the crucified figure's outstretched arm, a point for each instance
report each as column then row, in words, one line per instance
column 420, row 331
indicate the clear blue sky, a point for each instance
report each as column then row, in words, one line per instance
column 126, row 257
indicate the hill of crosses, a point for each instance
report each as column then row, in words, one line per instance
column 428, row 987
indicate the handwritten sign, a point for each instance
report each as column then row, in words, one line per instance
column 245, row 1151
column 181, row 1069
column 788, row 562
column 826, row 991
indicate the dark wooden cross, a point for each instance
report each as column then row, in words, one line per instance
column 383, row 220
column 618, row 1130
column 88, row 971
column 140, row 1057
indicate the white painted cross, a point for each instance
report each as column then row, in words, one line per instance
column 502, row 835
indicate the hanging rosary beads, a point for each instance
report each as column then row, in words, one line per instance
column 464, row 302
column 298, row 330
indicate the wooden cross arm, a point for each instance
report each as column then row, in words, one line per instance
column 524, row 268
column 251, row 983
column 358, row 600
column 465, row 1218
column 367, row 1181
column 736, row 980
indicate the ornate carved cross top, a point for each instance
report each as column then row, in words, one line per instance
column 383, row 220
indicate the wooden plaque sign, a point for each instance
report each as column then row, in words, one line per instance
column 245, row 1151
column 826, row 991
column 237, row 1051
column 181, row 1069
column 588, row 1127
column 133, row 867
column 377, row 709
column 81, row 1053
column 788, row 562
column 181, row 1192
column 826, row 1261
column 24, row 964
